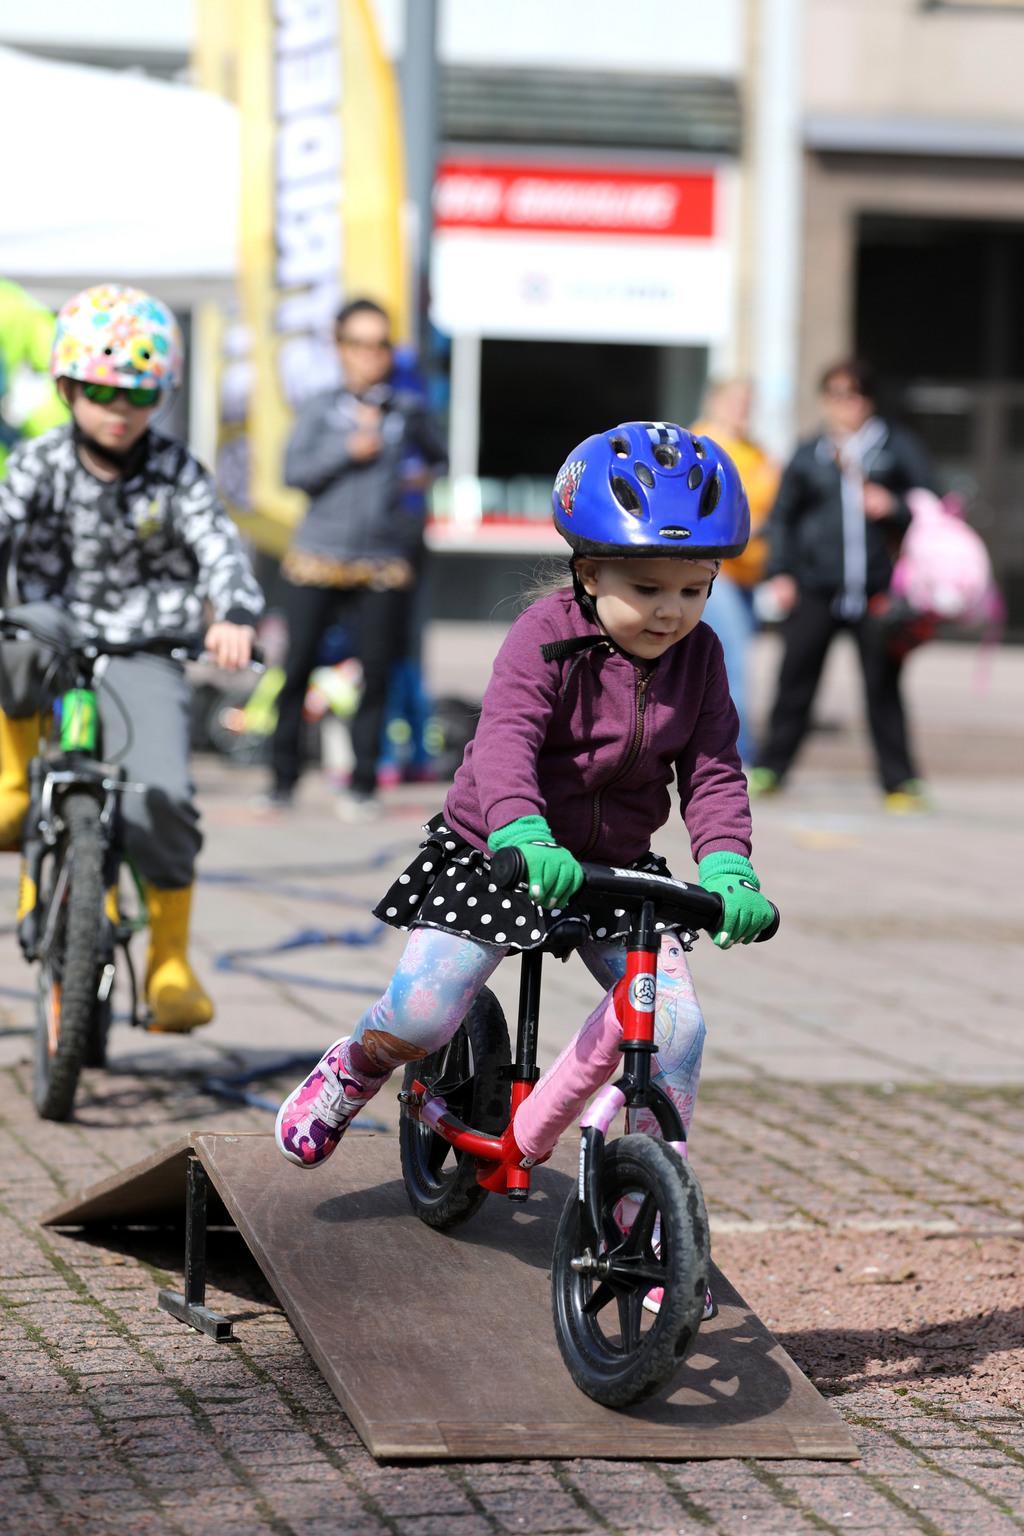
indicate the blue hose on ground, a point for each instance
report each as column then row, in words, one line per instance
column 234, row 1086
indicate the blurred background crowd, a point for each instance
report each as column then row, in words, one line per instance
column 784, row 221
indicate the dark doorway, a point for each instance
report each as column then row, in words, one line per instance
column 940, row 314
column 538, row 398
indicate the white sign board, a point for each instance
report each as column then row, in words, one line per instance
column 562, row 252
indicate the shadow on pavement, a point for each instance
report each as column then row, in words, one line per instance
column 898, row 1356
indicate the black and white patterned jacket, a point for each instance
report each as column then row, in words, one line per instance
column 130, row 558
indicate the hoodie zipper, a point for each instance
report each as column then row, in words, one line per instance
column 643, row 682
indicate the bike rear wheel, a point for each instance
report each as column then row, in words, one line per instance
column 467, row 1073
column 66, row 990
column 617, row 1352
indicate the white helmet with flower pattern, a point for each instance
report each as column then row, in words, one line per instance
column 111, row 334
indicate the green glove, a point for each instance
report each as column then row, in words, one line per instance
column 553, row 873
column 746, row 911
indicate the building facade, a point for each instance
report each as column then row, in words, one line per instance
column 912, row 248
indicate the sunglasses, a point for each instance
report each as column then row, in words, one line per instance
column 843, row 394
column 106, row 394
column 356, row 344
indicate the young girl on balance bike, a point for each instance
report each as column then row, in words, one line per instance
column 602, row 693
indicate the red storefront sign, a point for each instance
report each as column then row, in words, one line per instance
column 484, row 195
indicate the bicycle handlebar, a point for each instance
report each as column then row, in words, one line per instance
column 691, row 904
column 188, row 646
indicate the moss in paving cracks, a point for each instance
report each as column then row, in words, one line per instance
column 777, row 1488
column 184, row 1393
column 75, row 1382
column 35, row 1466
column 936, row 1411
column 934, row 1466
column 338, row 1461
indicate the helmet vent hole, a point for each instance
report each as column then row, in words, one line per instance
column 645, row 475
column 711, row 497
column 695, row 477
column 667, row 455
column 625, row 495
column 698, row 448
column 620, row 447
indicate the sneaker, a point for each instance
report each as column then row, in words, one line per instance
column 419, row 773
column 907, row 799
column 316, row 1114
column 356, row 806
column 654, row 1298
column 762, row 781
column 276, row 799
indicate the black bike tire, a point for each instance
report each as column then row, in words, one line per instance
column 56, row 1075
column 447, row 1201
column 617, row 1377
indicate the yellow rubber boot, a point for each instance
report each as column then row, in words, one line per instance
column 173, row 991
column 27, row 894
column 19, row 741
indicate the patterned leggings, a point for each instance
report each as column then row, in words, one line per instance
column 441, row 973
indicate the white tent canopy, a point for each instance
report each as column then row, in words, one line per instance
column 115, row 176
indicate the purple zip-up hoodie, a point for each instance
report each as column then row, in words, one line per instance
column 593, row 741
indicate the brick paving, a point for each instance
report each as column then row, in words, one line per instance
column 858, row 1136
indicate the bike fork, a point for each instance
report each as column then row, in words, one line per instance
column 634, row 1001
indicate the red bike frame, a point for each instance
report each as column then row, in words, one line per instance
column 501, row 1166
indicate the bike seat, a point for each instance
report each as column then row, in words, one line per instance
column 565, row 935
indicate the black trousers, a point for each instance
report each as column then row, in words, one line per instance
column 807, row 634
column 381, row 621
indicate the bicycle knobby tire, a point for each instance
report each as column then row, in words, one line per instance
column 68, row 971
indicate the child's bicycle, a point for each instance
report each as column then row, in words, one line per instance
column 75, row 922
column 636, row 1221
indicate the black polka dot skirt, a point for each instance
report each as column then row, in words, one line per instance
column 448, row 886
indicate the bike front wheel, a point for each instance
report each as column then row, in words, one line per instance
column 654, row 1233
column 70, row 924
column 467, row 1073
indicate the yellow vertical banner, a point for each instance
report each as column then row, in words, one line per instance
column 321, row 207
column 374, row 181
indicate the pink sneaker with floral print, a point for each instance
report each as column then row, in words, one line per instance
column 654, row 1298
column 316, row 1114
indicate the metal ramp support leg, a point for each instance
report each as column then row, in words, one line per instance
column 190, row 1308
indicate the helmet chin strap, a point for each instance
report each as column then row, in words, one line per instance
column 584, row 601
column 123, row 461
column 555, row 650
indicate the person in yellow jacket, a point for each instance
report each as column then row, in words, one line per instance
column 26, row 340
column 730, row 608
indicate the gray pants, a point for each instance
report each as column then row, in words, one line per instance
column 144, row 708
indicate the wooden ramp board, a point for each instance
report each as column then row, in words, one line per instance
column 443, row 1346
column 150, row 1193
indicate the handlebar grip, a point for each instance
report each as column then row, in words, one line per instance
column 765, row 934
column 508, row 868
column 773, row 926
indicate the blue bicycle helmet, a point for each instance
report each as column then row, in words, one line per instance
column 651, row 488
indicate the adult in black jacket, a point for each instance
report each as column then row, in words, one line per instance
column 836, row 525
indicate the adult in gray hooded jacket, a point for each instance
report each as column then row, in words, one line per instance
column 357, row 451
